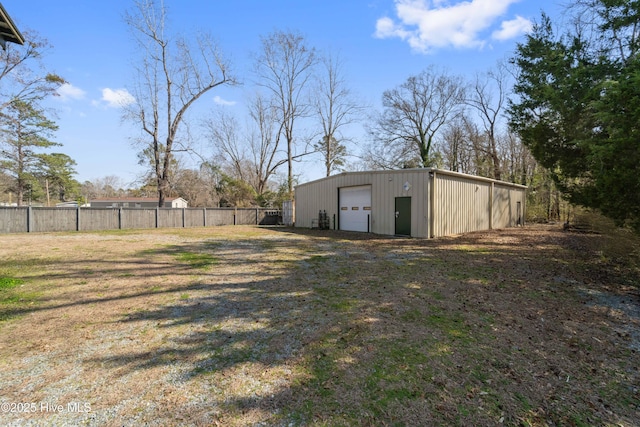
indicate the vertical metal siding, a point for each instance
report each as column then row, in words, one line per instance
column 385, row 187
column 388, row 186
column 461, row 205
column 505, row 205
column 502, row 207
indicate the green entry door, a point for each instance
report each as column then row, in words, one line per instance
column 403, row 216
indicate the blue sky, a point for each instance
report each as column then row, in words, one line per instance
column 381, row 42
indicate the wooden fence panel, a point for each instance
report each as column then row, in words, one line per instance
column 99, row 219
column 42, row 219
column 169, row 218
column 54, row 219
column 138, row 218
column 246, row 216
column 222, row 216
column 14, row 220
column 194, row 217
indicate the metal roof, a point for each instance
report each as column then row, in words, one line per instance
column 8, row 30
column 414, row 170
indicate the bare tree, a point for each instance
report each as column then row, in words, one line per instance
column 335, row 109
column 171, row 77
column 253, row 155
column 265, row 143
column 456, row 148
column 108, row 186
column 22, row 74
column 224, row 131
column 414, row 113
column 284, row 68
column 518, row 164
column 488, row 98
column 482, row 164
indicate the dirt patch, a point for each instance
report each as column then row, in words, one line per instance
column 258, row 326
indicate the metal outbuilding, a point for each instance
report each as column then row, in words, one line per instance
column 410, row 202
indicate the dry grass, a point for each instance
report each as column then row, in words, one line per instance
column 249, row 326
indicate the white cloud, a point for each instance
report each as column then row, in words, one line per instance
column 117, row 98
column 514, row 28
column 218, row 100
column 427, row 26
column 68, row 91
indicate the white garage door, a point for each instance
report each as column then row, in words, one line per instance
column 355, row 208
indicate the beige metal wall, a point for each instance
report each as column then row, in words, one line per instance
column 505, row 206
column 385, row 187
column 460, row 205
column 463, row 203
column 456, row 203
column 404, row 183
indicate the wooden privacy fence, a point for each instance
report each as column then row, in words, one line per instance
column 39, row 219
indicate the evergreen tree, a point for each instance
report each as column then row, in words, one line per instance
column 25, row 130
column 56, row 172
column 578, row 107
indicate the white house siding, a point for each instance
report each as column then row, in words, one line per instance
column 179, row 203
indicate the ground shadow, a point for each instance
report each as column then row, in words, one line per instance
column 373, row 330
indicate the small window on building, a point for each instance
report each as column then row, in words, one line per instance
column 366, row 208
column 344, row 208
column 355, row 208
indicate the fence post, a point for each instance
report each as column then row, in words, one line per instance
column 29, row 219
column 157, row 215
column 184, row 223
column 78, row 218
column 204, row 217
column 119, row 218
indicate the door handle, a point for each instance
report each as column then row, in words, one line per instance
column 397, row 214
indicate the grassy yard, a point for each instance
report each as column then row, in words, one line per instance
column 237, row 326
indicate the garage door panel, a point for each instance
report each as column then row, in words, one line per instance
column 355, row 208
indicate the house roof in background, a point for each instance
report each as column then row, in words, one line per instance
column 8, row 30
column 135, row 199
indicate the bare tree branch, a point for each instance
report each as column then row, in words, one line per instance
column 171, row 77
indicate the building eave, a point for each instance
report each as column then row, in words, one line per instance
column 8, row 30
column 415, row 170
